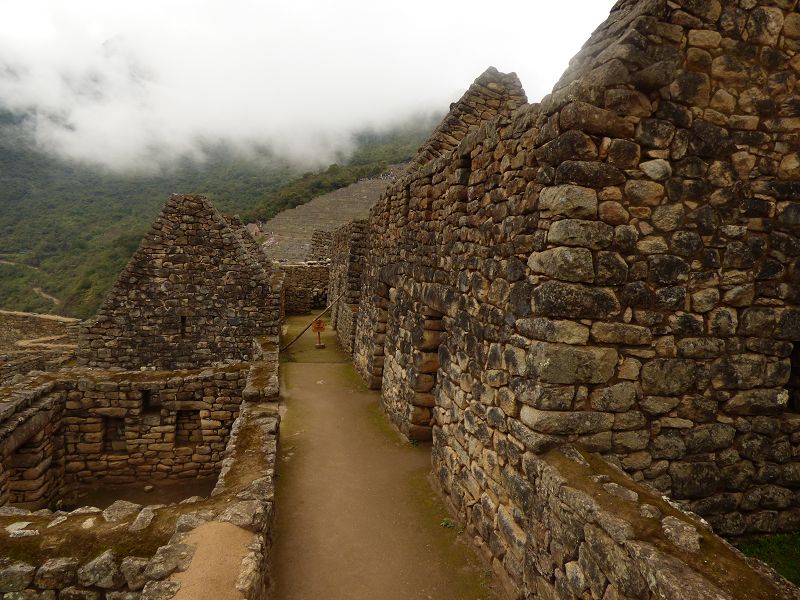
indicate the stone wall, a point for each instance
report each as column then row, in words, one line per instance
column 490, row 94
column 90, row 426
column 614, row 267
column 585, row 530
column 195, row 293
column 321, row 241
column 243, row 497
column 347, row 264
column 305, row 286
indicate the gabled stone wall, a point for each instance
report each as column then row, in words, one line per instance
column 614, row 267
column 195, row 293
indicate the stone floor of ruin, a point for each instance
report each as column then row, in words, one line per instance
column 356, row 516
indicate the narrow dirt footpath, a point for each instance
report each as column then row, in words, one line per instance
column 356, row 516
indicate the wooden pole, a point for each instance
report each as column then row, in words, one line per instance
column 312, row 321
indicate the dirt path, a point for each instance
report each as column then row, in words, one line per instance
column 42, row 294
column 356, row 516
column 215, row 564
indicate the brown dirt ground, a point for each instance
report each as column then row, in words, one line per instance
column 215, row 564
column 356, row 516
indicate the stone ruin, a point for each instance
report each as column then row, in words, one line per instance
column 180, row 363
column 194, row 293
column 589, row 306
column 321, row 241
column 349, row 248
column 592, row 302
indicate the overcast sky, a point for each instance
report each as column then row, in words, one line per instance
column 121, row 82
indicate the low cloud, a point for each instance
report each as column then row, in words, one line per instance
column 132, row 84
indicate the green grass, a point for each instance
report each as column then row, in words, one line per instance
column 781, row 552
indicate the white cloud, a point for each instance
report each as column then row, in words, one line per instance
column 130, row 81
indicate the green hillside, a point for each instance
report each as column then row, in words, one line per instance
column 67, row 229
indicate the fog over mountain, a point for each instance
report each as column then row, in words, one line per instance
column 132, row 84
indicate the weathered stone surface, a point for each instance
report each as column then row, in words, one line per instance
column 168, row 559
column 621, row 333
column 143, row 519
column 589, row 118
column 575, row 232
column 566, row 264
column 681, row 533
column 616, row 398
column 56, row 574
column 667, row 376
column 15, row 575
column 694, row 480
column 588, row 174
column 552, row 330
column 102, row 571
column 668, row 577
column 564, row 423
column 561, row 363
column 569, row 201
column 249, row 514
column 757, row 402
column 160, row 590
column 120, row 510
column 557, row 299
column 133, row 568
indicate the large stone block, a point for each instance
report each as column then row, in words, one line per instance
column 595, row 235
column 575, row 301
column 566, row 264
column 568, row 201
column 565, row 423
column 694, row 480
column 667, row 376
column 562, row 363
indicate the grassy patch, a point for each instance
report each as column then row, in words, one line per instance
column 781, row 552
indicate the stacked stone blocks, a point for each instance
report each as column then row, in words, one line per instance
column 349, row 248
column 196, row 292
column 615, row 268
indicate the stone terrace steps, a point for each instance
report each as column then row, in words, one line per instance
column 288, row 234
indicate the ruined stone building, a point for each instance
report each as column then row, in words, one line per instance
column 613, row 270
column 590, row 306
column 176, row 363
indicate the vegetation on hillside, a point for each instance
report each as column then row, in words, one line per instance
column 373, row 152
column 68, row 229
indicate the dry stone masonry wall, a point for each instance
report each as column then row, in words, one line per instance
column 321, row 241
column 616, row 268
column 305, row 286
column 243, row 496
column 349, row 255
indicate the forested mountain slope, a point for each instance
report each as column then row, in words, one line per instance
column 67, row 229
